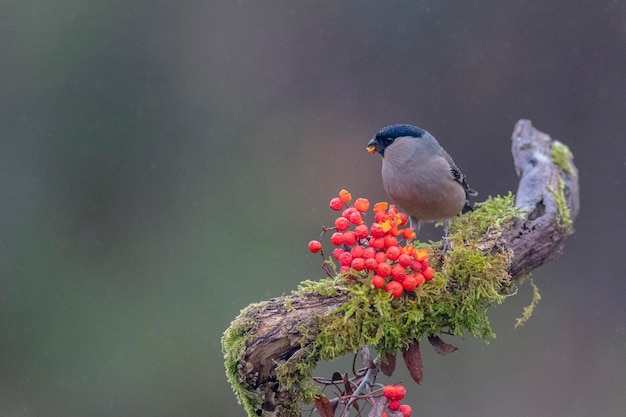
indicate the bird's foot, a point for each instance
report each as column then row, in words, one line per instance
column 415, row 225
column 445, row 245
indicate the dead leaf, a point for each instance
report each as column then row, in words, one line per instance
column 440, row 346
column 366, row 357
column 388, row 364
column 413, row 360
column 323, row 407
column 379, row 404
column 347, row 384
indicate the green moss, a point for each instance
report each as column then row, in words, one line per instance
column 490, row 215
column 529, row 309
column 561, row 156
column 564, row 221
column 469, row 280
column 326, row 286
column 296, row 374
column 233, row 347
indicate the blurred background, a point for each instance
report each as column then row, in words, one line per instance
column 164, row 164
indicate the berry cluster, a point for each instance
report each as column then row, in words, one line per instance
column 376, row 250
column 395, row 393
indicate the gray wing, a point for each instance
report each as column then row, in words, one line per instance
column 456, row 172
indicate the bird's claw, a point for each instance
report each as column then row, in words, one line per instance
column 445, row 245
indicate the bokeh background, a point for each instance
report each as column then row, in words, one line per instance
column 164, row 164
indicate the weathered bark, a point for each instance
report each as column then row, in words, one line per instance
column 538, row 238
column 276, row 334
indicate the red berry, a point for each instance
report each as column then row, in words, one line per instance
column 403, row 218
column 362, row 204
column 405, row 260
column 378, row 281
column 395, row 288
column 345, row 269
column 428, row 273
column 382, row 206
column 358, row 264
column 369, row 252
column 345, row 259
column 378, row 243
column 406, row 410
column 361, row 231
column 337, row 239
column 348, row 212
column 337, row 252
column 389, row 392
column 349, row 238
column 341, row 223
column 408, row 233
column 355, row 218
column 394, row 405
column 398, row 273
column 370, row 264
column 336, row 204
column 315, row 246
column 380, row 257
column 390, row 241
column 345, row 196
column 420, row 279
column 358, row 251
column 416, row 266
column 393, row 253
column 383, row 269
column 393, row 210
column 400, row 392
column 409, row 283
column 380, row 217
column 424, row 263
column 377, row 230
column 383, row 414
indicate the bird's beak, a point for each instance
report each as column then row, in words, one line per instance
column 371, row 146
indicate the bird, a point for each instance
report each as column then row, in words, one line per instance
column 420, row 177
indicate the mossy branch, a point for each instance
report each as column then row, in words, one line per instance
column 272, row 347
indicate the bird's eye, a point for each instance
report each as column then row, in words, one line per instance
column 388, row 141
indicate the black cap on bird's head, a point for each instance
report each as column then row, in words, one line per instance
column 388, row 134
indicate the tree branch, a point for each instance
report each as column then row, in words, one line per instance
column 283, row 330
column 544, row 166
